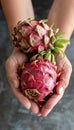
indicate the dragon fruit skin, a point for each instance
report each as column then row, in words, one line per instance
column 31, row 36
column 36, row 36
column 38, row 79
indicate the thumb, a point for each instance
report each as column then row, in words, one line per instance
column 13, row 80
column 64, row 79
column 11, row 69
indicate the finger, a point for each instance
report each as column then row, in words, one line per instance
column 22, row 99
column 50, row 104
column 34, row 107
column 39, row 114
column 19, row 58
column 64, row 79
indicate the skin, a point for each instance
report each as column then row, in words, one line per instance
column 64, row 66
column 65, row 23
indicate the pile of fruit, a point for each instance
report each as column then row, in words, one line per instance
column 40, row 43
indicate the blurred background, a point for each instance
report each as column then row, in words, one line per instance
column 15, row 117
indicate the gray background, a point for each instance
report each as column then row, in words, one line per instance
column 15, row 117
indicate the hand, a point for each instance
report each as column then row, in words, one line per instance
column 14, row 61
column 64, row 66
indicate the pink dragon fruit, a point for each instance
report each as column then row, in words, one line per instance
column 31, row 35
column 38, row 79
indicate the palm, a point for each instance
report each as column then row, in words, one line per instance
column 14, row 61
column 64, row 68
column 64, row 71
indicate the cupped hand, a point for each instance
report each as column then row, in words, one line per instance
column 13, row 62
column 64, row 69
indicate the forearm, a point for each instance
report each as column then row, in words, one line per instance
column 16, row 10
column 62, row 15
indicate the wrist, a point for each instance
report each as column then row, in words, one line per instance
column 61, row 14
column 15, row 11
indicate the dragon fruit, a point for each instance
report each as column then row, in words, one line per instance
column 40, row 42
column 31, row 35
column 38, row 79
column 36, row 36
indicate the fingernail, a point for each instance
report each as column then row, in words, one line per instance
column 44, row 113
column 61, row 90
column 38, row 114
column 28, row 106
column 15, row 83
